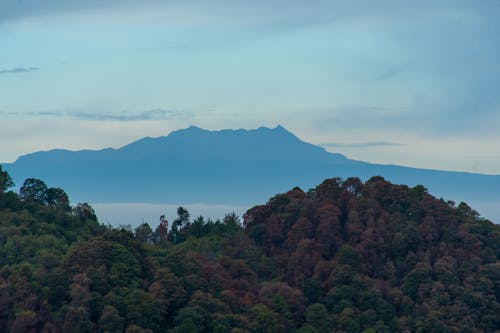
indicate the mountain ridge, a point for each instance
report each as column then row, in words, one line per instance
column 224, row 167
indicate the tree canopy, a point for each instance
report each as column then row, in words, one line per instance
column 346, row 256
column 5, row 180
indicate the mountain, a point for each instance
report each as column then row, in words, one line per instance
column 238, row 167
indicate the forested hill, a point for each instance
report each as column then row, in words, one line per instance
column 346, row 256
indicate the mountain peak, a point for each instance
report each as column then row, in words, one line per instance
column 195, row 129
column 268, row 134
column 276, row 130
column 283, row 131
column 188, row 130
column 263, row 143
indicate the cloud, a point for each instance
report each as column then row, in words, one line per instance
column 274, row 15
column 369, row 144
column 19, row 70
column 155, row 114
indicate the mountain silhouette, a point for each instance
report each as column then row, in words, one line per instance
column 239, row 167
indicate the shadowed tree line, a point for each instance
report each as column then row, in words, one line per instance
column 346, row 256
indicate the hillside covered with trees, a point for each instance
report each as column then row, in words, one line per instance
column 346, row 256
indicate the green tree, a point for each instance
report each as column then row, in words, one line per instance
column 167, row 291
column 180, row 226
column 265, row 320
column 83, row 211
column 25, row 321
column 34, row 190
column 182, row 216
column 189, row 320
column 5, row 180
column 144, row 233
column 317, row 316
column 160, row 235
column 349, row 256
column 57, row 197
column 77, row 320
column 110, row 320
column 232, row 221
column 142, row 310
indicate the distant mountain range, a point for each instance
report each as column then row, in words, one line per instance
column 237, row 167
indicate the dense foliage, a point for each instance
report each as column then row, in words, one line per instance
column 346, row 256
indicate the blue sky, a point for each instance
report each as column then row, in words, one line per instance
column 399, row 82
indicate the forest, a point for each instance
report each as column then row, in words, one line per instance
column 345, row 256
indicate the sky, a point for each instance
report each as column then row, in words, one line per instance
column 414, row 83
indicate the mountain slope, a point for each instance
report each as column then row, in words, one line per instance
column 229, row 166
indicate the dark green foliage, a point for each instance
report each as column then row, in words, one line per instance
column 5, row 180
column 110, row 320
column 344, row 257
column 317, row 317
column 144, row 233
column 84, row 212
column 180, row 226
column 265, row 320
column 34, row 190
column 56, row 197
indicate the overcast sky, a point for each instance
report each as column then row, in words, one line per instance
column 402, row 82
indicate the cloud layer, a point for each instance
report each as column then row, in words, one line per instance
column 18, row 70
column 361, row 144
column 156, row 114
